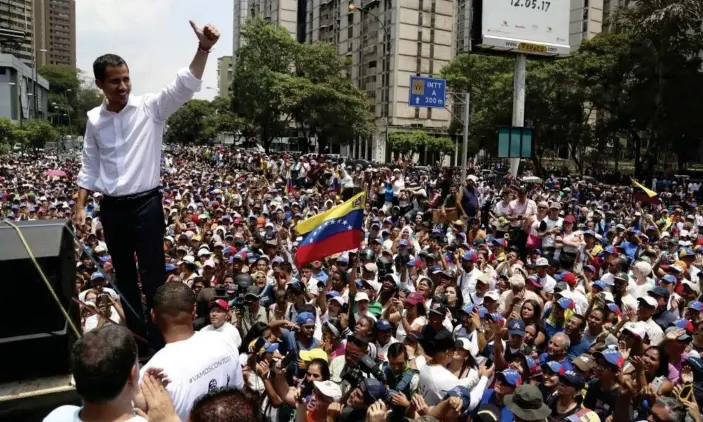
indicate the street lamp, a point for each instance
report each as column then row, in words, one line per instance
column 386, row 64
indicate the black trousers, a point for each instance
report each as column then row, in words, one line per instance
column 135, row 224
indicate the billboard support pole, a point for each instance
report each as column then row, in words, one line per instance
column 518, row 102
column 465, row 148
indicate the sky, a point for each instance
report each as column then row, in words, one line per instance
column 153, row 36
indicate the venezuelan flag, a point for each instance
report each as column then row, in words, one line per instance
column 333, row 231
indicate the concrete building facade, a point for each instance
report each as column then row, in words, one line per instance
column 16, row 29
column 224, row 76
column 16, row 80
column 241, row 14
column 55, row 32
column 586, row 21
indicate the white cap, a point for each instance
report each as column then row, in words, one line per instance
column 189, row 259
column 361, row 296
column 204, row 252
column 99, row 249
column 607, row 296
column 683, row 233
column 340, row 299
column 542, row 262
column 635, row 328
column 493, row 294
column 209, row 263
column 649, row 300
column 329, row 390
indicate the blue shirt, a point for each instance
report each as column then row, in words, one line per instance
column 544, row 358
column 578, row 349
column 290, row 344
column 489, row 397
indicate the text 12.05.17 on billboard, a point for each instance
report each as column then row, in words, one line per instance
column 532, row 4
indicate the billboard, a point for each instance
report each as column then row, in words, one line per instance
column 526, row 26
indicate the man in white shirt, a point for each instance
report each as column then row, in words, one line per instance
column 195, row 363
column 645, row 310
column 384, row 338
column 104, row 368
column 219, row 310
column 122, row 160
column 467, row 280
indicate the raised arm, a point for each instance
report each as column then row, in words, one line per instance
column 188, row 81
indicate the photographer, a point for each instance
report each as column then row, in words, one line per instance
column 349, row 370
column 402, row 381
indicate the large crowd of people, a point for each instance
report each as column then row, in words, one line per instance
column 467, row 300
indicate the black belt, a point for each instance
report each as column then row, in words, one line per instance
column 132, row 197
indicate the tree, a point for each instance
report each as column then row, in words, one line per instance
column 191, row 123
column 39, row 132
column 263, row 92
column 10, row 133
column 668, row 34
column 73, row 95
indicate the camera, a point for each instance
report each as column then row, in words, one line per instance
column 366, row 365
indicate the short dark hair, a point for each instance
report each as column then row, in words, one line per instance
column 397, row 349
column 226, row 404
column 324, row 368
column 173, row 299
column 102, row 62
column 102, row 362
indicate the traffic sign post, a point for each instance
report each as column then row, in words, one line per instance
column 427, row 92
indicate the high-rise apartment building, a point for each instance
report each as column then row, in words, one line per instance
column 387, row 42
column 586, row 21
column 16, row 26
column 224, row 76
column 241, row 13
column 55, row 32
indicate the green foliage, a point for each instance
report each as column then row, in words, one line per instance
column 10, row 133
column 192, row 123
column 71, row 97
column 279, row 82
column 38, row 132
column 611, row 88
column 409, row 142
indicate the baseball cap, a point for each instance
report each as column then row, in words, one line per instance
column 612, row 357
column 96, row 275
column 669, row 279
column 569, row 278
column 685, row 324
column 383, row 325
column 696, row 305
column 487, row 413
column 535, row 281
column 516, row 326
column 373, row 391
column 329, row 390
column 696, row 364
column 600, row 284
column 438, row 308
column 636, row 329
column 414, row 298
column 553, row 367
column 573, row 379
column 308, row 355
column 565, row 303
column 542, row 262
column 510, row 377
column 305, row 318
column 584, row 362
column 659, row 291
column 492, row 294
column 470, row 256
column 614, row 308
column 648, row 300
column 252, row 293
column 692, row 285
column 361, row 296
column 463, row 343
column 221, row 303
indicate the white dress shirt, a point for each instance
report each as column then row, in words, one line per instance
column 122, row 151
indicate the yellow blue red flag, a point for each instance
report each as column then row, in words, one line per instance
column 336, row 230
